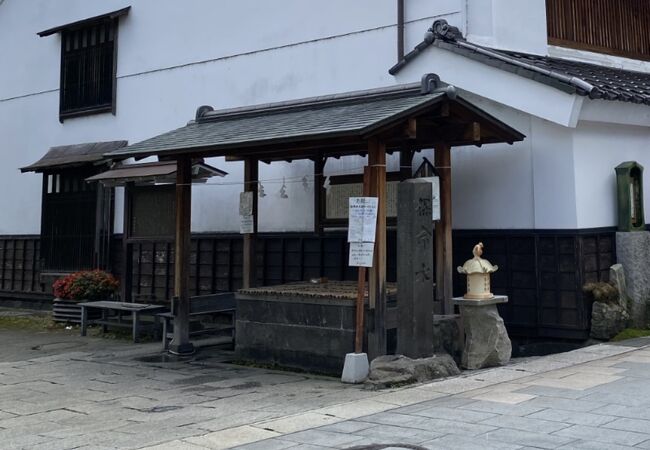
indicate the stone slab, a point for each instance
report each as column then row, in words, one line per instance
column 497, row 299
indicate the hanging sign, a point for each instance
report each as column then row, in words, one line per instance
column 245, row 203
column 247, row 224
column 361, row 254
column 361, row 230
column 246, row 218
column 362, row 216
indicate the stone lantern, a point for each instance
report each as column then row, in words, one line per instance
column 478, row 272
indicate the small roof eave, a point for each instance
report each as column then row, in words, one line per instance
column 84, row 22
column 68, row 156
column 154, row 172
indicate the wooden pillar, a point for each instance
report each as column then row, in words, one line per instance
column 180, row 343
column 250, row 185
column 405, row 164
column 99, row 226
column 127, row 257
column 377, row 275
column 319, row 192
column 444, row 263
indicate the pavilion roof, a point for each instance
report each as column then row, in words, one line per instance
column 334, row 125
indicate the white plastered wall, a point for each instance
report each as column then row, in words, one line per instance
column 222, row 54
column 598, row 148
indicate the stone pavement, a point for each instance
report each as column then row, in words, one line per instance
column 128, row 396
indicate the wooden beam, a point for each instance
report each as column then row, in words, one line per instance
column 127, row 258
column 361, row 283
column 319, row 193
column 411, row 128
column 377, row 277
column 406, row 164
column 444, row 263
column 180, row 343
column 251, row 169
column 428, row 130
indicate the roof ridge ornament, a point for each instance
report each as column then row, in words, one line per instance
column 442, row 29
column 201, row 111
column 431, row 83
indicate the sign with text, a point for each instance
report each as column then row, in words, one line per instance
column 435, row 196
column 362, row 227
column 362, row 224
column 246, row 224
column 245, row 203
column 338, row 198
column 361, row 254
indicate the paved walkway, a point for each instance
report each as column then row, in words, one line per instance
column 126, row 396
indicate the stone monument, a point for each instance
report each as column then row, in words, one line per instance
column 415, row 275
column 632, row 240
column 633, row 253
column 486, row 340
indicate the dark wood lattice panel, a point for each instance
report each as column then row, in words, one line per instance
column 617, row 27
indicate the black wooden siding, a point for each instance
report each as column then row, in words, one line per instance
column 541, row 272
column 19, row 264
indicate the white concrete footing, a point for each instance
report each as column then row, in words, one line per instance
column 356, row 368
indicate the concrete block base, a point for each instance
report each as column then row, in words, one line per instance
column 355, row 368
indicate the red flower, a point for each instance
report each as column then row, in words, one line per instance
column 86, row 285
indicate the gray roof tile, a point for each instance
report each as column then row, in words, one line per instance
column 260, row 126
column 74, row 155
column 593, row 80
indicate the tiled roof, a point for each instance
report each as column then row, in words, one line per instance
column 258, row 126
column 335, row 125
column 592, row 80
column 609, row 83
column 74, row 155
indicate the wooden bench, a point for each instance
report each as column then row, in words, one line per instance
column 112, row 314
column 203, row 305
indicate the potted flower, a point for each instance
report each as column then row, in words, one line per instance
column 83, row 286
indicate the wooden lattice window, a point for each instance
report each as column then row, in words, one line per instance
column 616, row 27
column 88, row 63
column 68, row 221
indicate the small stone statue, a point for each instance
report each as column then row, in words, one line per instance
column 478, row 272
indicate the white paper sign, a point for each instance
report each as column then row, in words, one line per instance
column 435, row 196
column 246, row 224
column 245, row 203
column 361, row 254
column 362, row 224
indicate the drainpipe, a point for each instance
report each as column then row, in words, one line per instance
column 400, row 30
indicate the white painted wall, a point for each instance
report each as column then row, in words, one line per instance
column 553, row 175
column 598, row 148
column 492, row 185
column 508, row 24
column 174, row 56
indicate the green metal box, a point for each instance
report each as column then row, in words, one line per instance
column 629, row 182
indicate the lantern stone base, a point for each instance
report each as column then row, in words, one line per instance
column 486, row 340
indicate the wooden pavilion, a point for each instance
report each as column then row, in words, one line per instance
column 401, row 119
